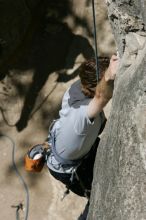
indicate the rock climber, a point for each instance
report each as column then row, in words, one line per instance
column 73, row 138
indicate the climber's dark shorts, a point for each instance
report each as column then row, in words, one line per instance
column 84, row 171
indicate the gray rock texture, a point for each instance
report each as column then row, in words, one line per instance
column 119, row 185
column 125, row 16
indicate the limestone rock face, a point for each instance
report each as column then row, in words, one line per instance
column 119, row 185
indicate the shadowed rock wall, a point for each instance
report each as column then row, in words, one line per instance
column 22, row 22
column 15, row 17
column 119, row 185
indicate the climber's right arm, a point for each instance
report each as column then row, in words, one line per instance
column 104, row 89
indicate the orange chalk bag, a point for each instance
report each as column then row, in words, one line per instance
column 32, row 164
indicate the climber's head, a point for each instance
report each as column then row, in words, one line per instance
column 87, row 73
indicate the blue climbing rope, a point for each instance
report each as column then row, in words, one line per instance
column 95, row 40
column 21, row 178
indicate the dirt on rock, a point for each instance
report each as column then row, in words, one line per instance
column 30, row 98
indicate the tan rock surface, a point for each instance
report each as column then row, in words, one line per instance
column 45, row 192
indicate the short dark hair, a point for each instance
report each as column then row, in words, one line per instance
column 87, row 73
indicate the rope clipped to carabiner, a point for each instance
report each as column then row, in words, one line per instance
column 95, row 40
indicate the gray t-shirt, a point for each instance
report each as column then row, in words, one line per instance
column 75, row 133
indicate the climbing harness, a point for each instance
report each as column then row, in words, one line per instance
column 20, row 206
column 75, row 175
column 95, row 40
column 73, row 165
column 86, row 191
